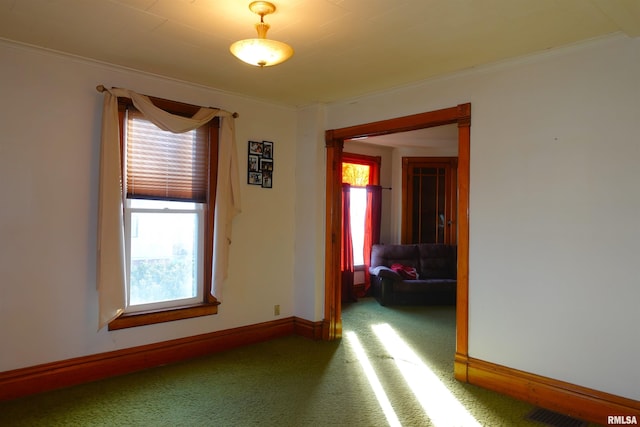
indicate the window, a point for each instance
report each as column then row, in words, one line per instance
column 359, row 171
column 170, row 182
column 357, row 176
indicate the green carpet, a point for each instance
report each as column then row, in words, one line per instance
column 290, row 381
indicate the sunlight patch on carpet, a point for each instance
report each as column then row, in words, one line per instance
column 378, row 390
column 436, row 399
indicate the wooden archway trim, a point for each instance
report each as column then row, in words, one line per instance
column 460, row 114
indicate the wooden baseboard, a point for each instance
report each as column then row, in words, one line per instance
column 461, row 367
column 50, row 376
column 307, row 328
column 569, row 399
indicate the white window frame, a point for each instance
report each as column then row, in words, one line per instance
column 195, row 208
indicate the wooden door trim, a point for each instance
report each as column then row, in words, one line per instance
column 460, row 114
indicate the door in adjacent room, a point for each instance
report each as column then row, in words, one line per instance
column 429, row 200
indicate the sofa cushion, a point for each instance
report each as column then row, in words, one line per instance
column 383, row 271
column 425, row 285
column 388, row 255
column 437, row 261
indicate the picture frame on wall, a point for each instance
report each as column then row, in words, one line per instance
column 267, row 180
column 255, row 147
column 266, row 165
column 255, row 178
column 260, row 163
column 267, row 149
column 254, row 163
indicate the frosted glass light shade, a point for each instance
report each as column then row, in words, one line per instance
column 261, row 52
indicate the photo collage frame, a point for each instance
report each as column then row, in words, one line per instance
column 260, row 163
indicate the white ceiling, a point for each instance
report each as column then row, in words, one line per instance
column 344, row 48
column 438, row 137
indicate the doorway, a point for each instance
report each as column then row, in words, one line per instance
column 334, row 139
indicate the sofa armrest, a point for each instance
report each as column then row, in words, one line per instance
column 384, row 272
column 384, row 289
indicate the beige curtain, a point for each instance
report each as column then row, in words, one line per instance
column 111, row 271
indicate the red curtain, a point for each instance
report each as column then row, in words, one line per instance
column 346, row 259
column 371, row 229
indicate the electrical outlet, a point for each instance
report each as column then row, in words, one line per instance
column 276, row 310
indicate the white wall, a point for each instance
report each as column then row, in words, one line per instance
column 49, row 157
column 554, row 207
column 310, row 214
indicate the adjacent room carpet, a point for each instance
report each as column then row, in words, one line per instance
column 291, row 381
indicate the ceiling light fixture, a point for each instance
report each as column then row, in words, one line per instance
column 261, row 51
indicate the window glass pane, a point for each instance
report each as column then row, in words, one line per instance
column 355, row 174
column 164, row 256
column 358, row 204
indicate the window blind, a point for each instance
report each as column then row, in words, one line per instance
column 164, row 165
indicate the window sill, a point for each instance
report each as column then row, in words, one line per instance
column 130, row 320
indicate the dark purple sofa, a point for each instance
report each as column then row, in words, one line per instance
column 436, row 265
